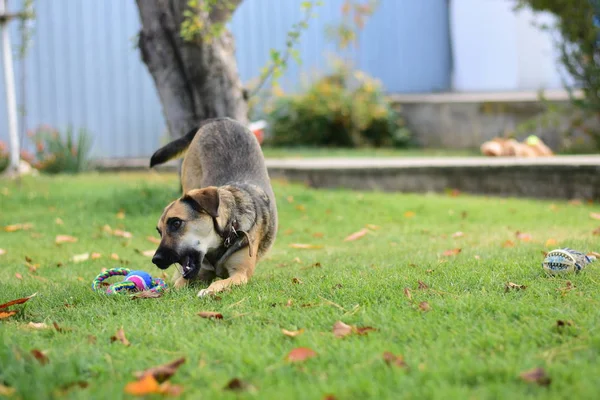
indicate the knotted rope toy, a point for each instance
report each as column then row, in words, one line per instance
column 135, row 281
column 561, row 261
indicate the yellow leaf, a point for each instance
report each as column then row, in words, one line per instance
column 292, row 333
column 551, row 242
column 81, row 257
column 409, row 214
column 356, row 235
column 120, row 215
column 6, row 314
column 146, row 385
column 18, row 227
column 65, row 239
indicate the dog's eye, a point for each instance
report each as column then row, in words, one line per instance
column 175, row 224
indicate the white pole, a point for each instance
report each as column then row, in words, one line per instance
column 11, row 101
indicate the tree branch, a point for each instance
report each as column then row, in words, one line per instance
column 222, row 11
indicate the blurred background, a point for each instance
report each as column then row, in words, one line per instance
column 438, row 74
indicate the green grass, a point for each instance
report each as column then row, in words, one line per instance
column 303, row 152
column 473, row 343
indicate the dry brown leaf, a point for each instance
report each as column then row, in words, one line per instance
column 290, row 199
column 148, row 253
column 340, row 329
column 60, row 239
column 318, row 234
column 297, row 281
column 58, row 328
column 329, row 397
column 6, row 391
column 536, row 375
column 424, row 306
column 120, row 337
column 18, row 301
column 407, row 293
column 146, row 385
column 40, row 356
column 289, row 303
column 596, row 231
column 120, row 215
column 114, row 256
column 458, row 234
column 7, row 314
column 356, row 235
column 292, row 333
column 18, row 275
column 37, row 325
column 513, row 286
column 238, row 385
column 152, row 239
column 300, row 354
column 522, row 236
column 58, row 221
column 508, row 243
column 301, row 207
column 147, row 294
column 80, row 257
column 92, row 339
column 121, row 233
column 409, row 214
column 18, row 227
column 2, row 252
column 210, row 314
column 595, row 215
column 451, row 252
column 551, row 242
column 162, row 372
column 95, row 256
column 305, row 246
column 562, row 323
column 423, row 285
column 394, row 360
column 593, row 254
column 363, row 330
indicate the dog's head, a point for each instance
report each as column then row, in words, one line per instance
column 187, row 228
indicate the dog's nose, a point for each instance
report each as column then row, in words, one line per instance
column 161, row 260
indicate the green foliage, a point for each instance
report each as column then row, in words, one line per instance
column 56, row 153
column 579, row 49
column 343, row 109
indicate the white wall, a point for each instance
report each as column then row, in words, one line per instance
column 496, row 49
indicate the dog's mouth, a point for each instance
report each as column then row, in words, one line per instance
column 190, row 265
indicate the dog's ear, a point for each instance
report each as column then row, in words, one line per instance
column 205, row 199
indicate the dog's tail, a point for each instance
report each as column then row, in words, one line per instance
column 174, row 149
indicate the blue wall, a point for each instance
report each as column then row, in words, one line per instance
column 84, row 70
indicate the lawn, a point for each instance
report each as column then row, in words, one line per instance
column 305, row 152
column 461, row 335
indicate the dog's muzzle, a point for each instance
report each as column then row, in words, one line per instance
column 164, row 258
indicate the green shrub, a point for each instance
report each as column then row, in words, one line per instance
column 56, row 153
column 5, row 156
column 343, row 109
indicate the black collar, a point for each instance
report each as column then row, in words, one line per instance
column 234, row 239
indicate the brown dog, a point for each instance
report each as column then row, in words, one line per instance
column 226, row 219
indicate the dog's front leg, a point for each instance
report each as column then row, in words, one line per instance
column 240, row 267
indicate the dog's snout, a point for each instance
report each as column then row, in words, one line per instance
column 163, row 258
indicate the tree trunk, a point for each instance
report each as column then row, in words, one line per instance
column 195, row 80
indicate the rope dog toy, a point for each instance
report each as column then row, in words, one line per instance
column 135, row 281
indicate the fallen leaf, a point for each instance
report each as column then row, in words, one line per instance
column 238, row 385
column 596, row 231
column 120, row 215
column 80, row 384
column 575, row 202
column 91, row 339
column 18, row 227
column 210, row 314
column 363, row 330
column 305, row 246
column 292, row 333
column 525, row 237
column 356, row 235
column 289, row 303
column 329, row 397
column 297, row 281
column 562, row 323
column 37, row 325
column 18, row 301
column 423, row 285
column 80, row 257
column 393, row 360
column 595, row 215
column 58, row 221
column 340, row 329
column 148, row 253
column 536, row 375
column 95, row 256
column 144, row 386
column 477, row 257
column 290, row 199
column 123, row 234
column 551, row 242
column 58, row 328
column 301, row 207
column 152, row 239
column 162, row 372
column 373, row 227
column 2, row 252
column 424, row 306
column 147, row 294
column 409, row 214
column 407, row 293
column 18, row 275
column 458, row 234
column 40, row 356
column 593, row 254
column 114, row 256
column 6, row 391
column 60, row 239
column 120, row 336
column 318, row 234
column 508, row 243
column 513, row 286
column 171, row 390
column 451, row 252
column 300, row 354
column 288, row 231
column 7, row 314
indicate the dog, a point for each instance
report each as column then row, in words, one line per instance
column 226, row 219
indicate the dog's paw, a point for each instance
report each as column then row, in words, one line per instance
column 204, row 293
column 180, row 283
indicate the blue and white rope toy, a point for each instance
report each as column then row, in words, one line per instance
column 562, row 261
column 135, row 281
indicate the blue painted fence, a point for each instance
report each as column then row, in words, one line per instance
column 83, row 69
